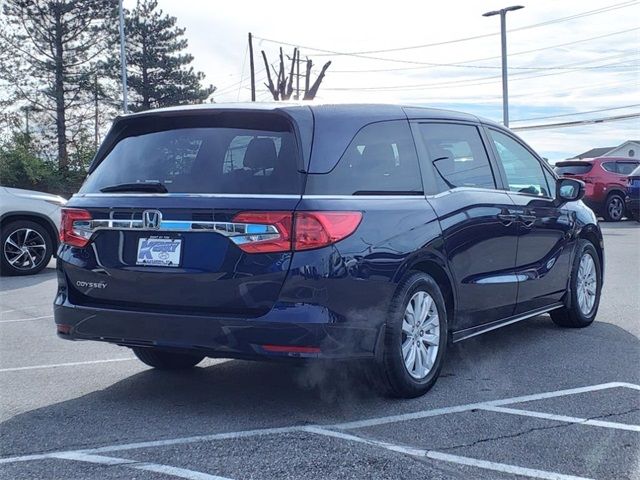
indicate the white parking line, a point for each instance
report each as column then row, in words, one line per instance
column 70, row 364
column 339, row 426
column 150, row 467
column 446, row 457
column 372, row 422
column 14, row 320
column 502, row 467
column 562, row 418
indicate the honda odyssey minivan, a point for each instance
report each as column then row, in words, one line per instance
column 276, row 231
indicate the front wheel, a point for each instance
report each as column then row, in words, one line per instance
column 585, row 286
column 415, row 338
column 164, row 360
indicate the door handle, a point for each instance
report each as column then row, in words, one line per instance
column 507, row 218
column 528, row 220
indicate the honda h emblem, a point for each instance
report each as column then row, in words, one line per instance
column 151, row 219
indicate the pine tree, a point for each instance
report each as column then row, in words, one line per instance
column 158, row 69
column 49, row 51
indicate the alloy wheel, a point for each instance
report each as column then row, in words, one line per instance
column 587, row 284
column 24, row 249
column 420, row 335
column 616, row 208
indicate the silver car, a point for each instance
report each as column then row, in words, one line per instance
column 29, row 225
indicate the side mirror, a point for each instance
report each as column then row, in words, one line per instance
column 569, row 190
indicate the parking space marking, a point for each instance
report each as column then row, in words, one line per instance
column 338, row 426
column 447, row 457
column 70, row 364
column 150, row 467
column 372, row 422
column 562, row 418
column 502, row 467
column 15, row 320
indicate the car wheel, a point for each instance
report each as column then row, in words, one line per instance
column 164, row 360
column 26, row 248
column 416, row 336
column 585, row 286
column 614, row 208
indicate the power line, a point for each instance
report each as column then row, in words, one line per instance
column 616, row 118
column 485, row 79
column 577, row 113
column 523, row 52
column 366, row 53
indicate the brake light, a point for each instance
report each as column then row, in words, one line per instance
column 319, row 229
column 294, row 231
column 75, row 227
column 262, row 239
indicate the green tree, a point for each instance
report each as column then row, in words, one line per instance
column 159, row 71
column 49, row 52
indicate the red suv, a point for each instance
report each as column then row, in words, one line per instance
column 605, row 182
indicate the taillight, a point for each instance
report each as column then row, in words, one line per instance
column 286, row 231
column 75, row 227
column 259, row 237
column 319, row 229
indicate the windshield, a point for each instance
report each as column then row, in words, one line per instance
column 201, row 160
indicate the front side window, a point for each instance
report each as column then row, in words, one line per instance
column 523, row 170
column 381, row 159
column 457, row 155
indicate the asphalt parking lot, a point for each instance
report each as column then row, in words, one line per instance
column 528, row 401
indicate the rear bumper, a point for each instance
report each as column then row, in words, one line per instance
column 633, row 204
column 285, row 325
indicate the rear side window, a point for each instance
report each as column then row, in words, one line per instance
column 610, row 167
column 380, row 160
column 458, row 156
column 203, row 160
column 625, row 168
column 573, row 169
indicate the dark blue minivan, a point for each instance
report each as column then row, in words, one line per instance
column 276, row 231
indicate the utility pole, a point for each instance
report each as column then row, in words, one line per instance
column 123, row 62
column 503, row 38
column 251, row 67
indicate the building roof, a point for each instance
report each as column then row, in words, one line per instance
column 594, row 152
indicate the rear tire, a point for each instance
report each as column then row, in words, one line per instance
column 414, row 346
column 614, row 208
column 583, row 306
column 164, row 360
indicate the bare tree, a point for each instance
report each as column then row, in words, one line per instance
column 282, row 88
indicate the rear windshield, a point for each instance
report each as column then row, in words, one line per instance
column 260, row 159
column 573, row 169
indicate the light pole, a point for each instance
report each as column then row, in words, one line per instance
column 503, row 35
column 123, row 62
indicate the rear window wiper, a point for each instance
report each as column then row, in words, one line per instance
column 150, row 187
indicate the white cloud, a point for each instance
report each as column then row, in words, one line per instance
column 217, row 33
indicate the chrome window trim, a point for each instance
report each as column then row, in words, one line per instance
column 184, row 195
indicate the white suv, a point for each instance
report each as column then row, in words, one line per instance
column 29, row 223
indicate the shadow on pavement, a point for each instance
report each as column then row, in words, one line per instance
column 530, row 357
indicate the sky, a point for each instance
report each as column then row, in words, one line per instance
column 588, row 62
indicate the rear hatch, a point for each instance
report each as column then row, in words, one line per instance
column 187, row 213
column 573, row 169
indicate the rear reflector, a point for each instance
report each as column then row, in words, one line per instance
column 297, row 231
column 75, row 227
column 290, row 349
column 63, row 328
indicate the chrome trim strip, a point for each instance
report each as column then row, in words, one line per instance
column 474, row 331
column 362, row 197
column 228, row 229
